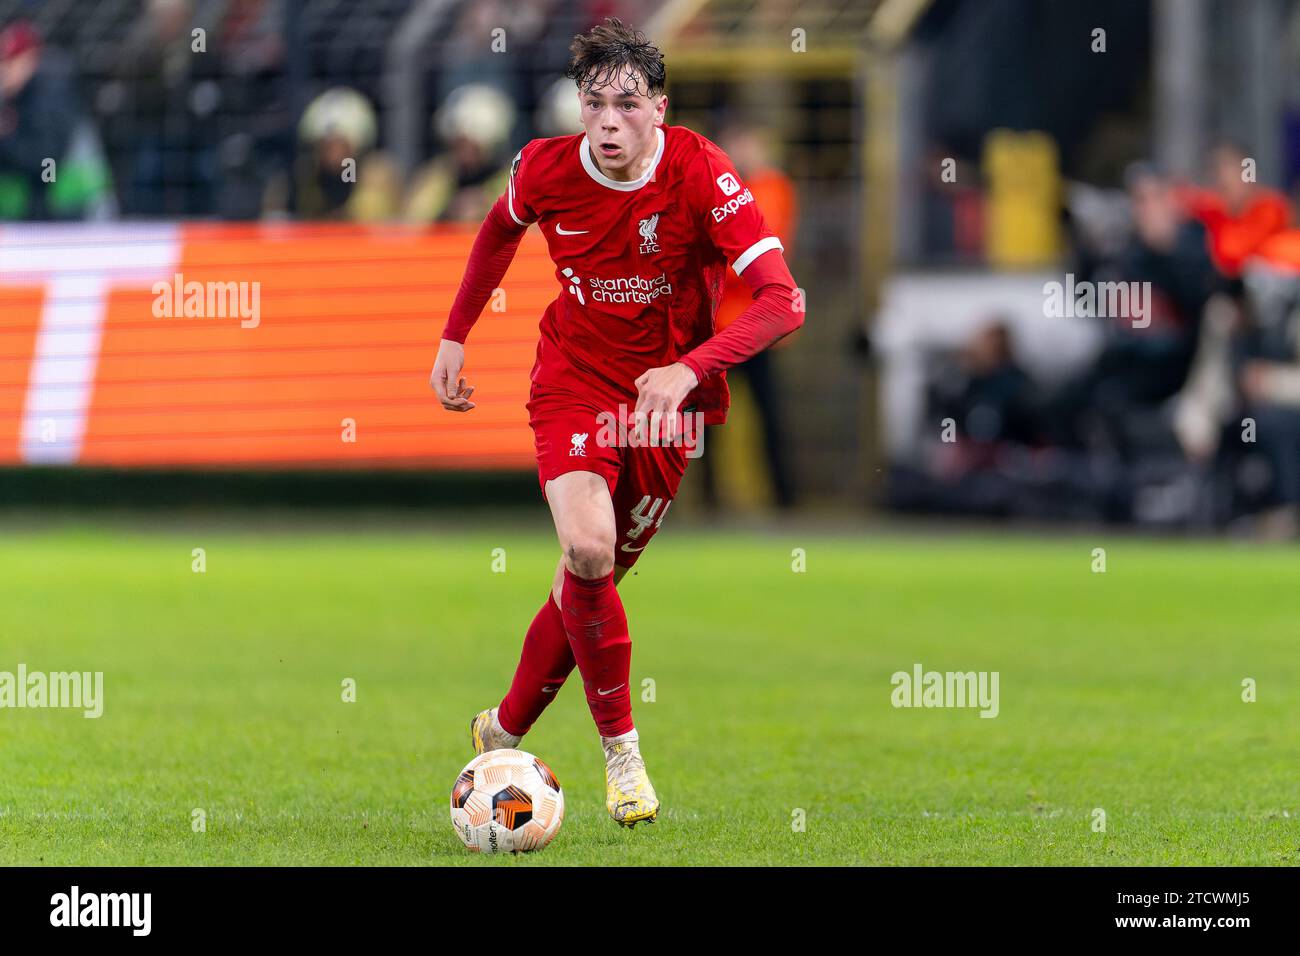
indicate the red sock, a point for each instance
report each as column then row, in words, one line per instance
column 597, row 628
column 545, row 663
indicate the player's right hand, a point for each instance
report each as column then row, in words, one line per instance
column 446, row 379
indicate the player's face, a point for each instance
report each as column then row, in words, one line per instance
column 620, row 117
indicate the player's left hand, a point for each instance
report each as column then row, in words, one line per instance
column 661, row 391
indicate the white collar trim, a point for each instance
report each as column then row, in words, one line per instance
column 589, row 164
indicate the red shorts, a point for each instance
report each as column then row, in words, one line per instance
column 571, row 436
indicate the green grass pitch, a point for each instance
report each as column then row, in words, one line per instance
column 223, row 693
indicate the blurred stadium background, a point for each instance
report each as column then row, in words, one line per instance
column 932, row 164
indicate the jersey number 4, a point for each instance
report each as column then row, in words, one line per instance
column 642, row 515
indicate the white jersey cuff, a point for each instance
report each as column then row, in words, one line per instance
column 756, row 250
column 510, row 202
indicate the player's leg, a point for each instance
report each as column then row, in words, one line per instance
column 561, row 428
column 647, row 484
column 557, row 582
column 596, row 623
column 593, row 614
column 544, row 665
column 580, row 505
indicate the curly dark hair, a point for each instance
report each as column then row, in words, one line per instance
column 613, row 52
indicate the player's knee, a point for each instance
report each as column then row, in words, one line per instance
column 590, row 557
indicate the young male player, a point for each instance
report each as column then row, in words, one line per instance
column 642, row 220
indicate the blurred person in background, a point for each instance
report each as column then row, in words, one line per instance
column 990, row 397
column 1139, row 368
column 41, row 120
column 774, row 193
column 469, row 60
column 256, row 122
column 1238, row 213
column 557, row 114
column 1269, row 381
column 161, row 115
column 952, row 206
column 989, row 457
column 461, row 182
column 339, row 174
column 1261, row 359
column 1242, row 219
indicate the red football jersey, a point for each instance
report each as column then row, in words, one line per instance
column 641, row 264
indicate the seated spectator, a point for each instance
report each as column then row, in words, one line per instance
column 1244, row 348
column 984, row 452
column 1277, row 423
column 991, row 398
column 1238, row 213
column 1266, row 368
column 1141, row 365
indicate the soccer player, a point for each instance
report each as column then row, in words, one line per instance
column 641, row 219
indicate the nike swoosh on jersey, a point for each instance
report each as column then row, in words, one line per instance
column 561, row 231
column 605, row 693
